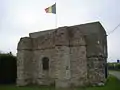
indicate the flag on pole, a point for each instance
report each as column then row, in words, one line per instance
column 51, row 9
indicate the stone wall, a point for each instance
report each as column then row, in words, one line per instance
column 63, row 69
column 96, row 70
column 77, row 56
column 96, row 48
column 44, row 77
column 78, row 65
column 40, row 33
column 24, row 62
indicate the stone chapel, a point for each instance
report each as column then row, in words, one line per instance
column 68, row 56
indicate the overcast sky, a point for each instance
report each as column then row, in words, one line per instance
column 20, row 17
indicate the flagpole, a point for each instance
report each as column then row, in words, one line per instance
column 52, row 9
column 56, row 18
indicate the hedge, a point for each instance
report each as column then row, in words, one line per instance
column 114, row 66
column 8, row 68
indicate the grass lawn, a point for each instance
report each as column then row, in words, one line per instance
column 112, row 84
column 114, row 70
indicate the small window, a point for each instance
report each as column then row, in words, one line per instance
column 45, row 63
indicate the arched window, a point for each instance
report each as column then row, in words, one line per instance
column 45, row 63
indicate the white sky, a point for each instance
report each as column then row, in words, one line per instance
column 20, row 17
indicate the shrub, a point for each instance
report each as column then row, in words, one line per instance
column 114, row 66
column 8, row 68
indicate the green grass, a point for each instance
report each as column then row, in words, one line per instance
column 115, row 70
column 13, row 87
column 112, row 84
